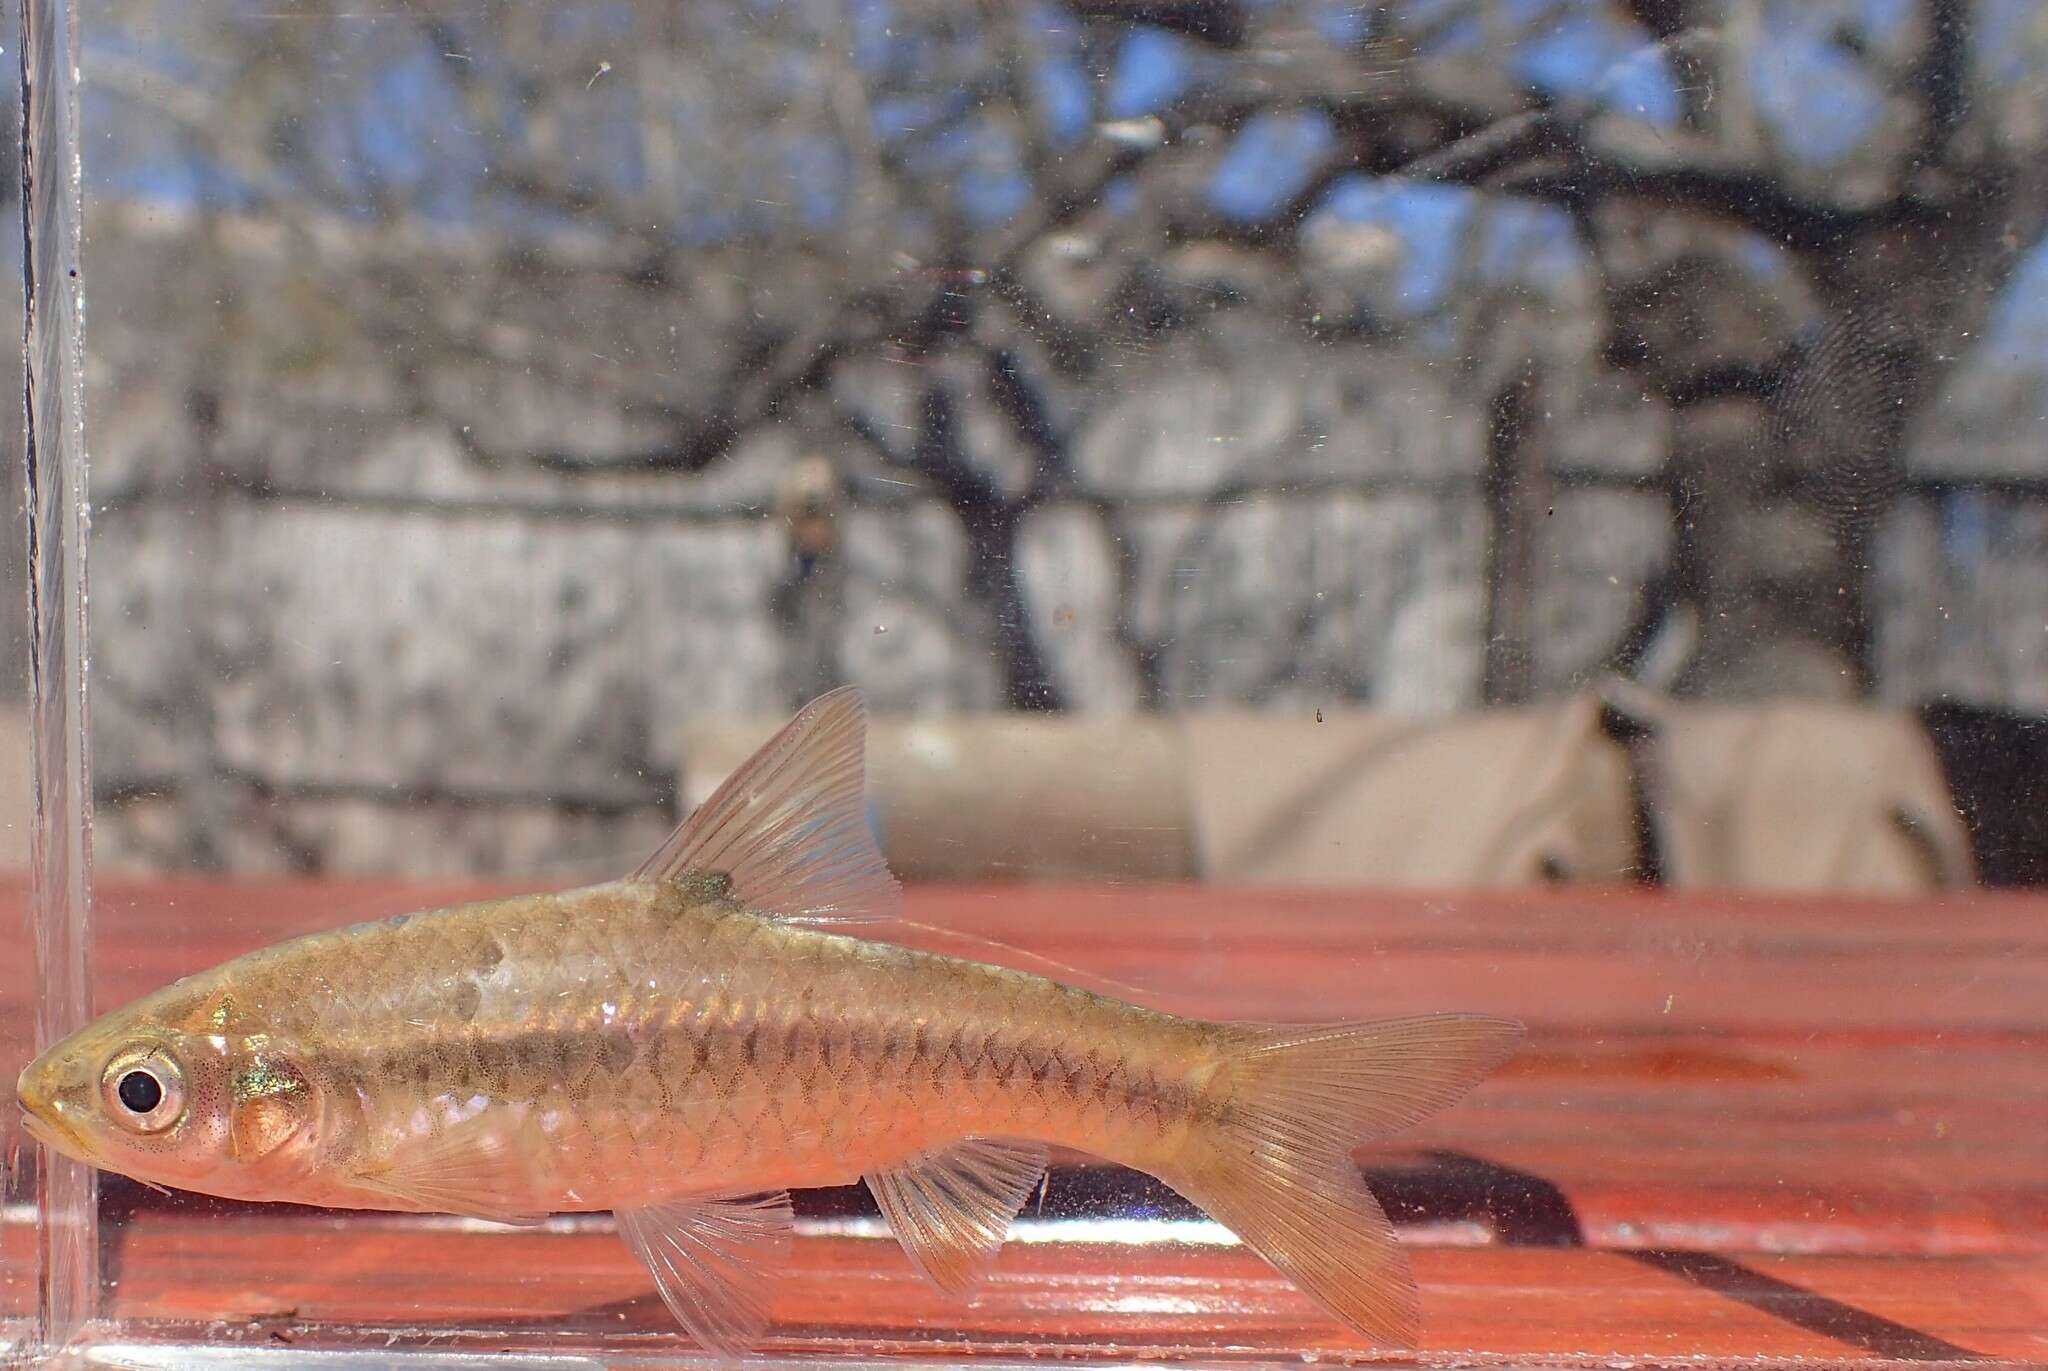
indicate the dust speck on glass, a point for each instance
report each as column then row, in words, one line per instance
column 1248, row 681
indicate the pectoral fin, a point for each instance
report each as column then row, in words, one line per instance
column 951, row 1207
column 466, row 1169
column 710, row 1256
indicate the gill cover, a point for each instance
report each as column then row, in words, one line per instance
column 270, row 1101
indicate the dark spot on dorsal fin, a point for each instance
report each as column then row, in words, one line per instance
column 703, row 886
column 790, row 826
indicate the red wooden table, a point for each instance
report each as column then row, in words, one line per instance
column 1741, row 1129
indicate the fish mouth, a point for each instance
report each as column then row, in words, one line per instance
column 55, row 1135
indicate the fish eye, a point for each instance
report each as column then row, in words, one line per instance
column 144, row 1089
column 139, row 1092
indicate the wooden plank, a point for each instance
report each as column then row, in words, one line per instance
column 1741, row 1128
column 301, row 1280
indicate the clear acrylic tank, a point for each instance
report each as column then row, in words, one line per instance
column 1525, row 506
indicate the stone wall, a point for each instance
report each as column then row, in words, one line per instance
column 335, row 631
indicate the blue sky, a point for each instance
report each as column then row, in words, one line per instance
column 406, row 132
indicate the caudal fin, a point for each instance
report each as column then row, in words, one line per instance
column 1276, row 1168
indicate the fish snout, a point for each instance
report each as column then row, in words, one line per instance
column 47, row 1092
column 34, row 1087
column 46, row 1078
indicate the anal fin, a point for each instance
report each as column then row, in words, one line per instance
column 951, row 1206
column 709, row 1256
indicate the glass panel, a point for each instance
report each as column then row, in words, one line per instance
column 1521, row 507
column 53, row 1255
column 18, row 1161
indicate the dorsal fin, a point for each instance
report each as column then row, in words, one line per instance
column 790, row 827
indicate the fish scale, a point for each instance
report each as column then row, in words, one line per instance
column 702, row 1084
column 684, row 1045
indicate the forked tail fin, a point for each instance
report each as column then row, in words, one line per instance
column 1276, row 1166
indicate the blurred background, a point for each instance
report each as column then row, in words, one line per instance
column 1424, row 449
column 1441, row 441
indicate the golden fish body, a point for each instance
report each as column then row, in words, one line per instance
column 640, row 1040
column 683, row 1046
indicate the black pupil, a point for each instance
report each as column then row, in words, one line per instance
column 140, row 1092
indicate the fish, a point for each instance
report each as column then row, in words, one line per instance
column 731, row 1021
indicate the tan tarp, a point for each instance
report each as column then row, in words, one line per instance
column 1358, row 798
column 1034, row 796
column 1796, row 797
column 980, row 797
column 1506, row 797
